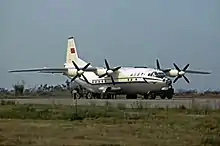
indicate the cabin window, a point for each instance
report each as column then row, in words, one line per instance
column 138, row 74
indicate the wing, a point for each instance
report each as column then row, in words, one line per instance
column 50, row 70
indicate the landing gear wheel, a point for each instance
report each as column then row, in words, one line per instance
column 98, row 96
column 108, row 96
column 170, row 93
column 146, row 96
column 77, row 96
column 152, row 96
column 163, row 96
column 170, row 96
column 89, row 95
column 105, row 96
column 131, row 96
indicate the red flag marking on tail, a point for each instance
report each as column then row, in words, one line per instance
column 72, row 50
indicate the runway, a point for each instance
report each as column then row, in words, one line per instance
column 187, row 103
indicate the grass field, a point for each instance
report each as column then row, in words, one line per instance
column 54, row 125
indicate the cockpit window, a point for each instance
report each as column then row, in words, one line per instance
column 157, row 74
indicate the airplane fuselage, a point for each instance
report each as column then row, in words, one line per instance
column 128, row 80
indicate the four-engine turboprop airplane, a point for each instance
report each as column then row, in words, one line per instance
column 122, row 80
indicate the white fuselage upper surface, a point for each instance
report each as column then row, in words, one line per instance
column 129, row 80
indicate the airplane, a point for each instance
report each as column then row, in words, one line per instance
column 100, row 82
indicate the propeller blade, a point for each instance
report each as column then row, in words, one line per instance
column 187, row 80
column 184, row 69
column 116, row 68
column 74, row 78
column 113, row 82
column 87, row 65
column 145, row 80
column 158, row 64
column 176, row 79
column 106, row 64
column 75, row 65
column 102, row 75
column 85, row 78
column 177, row 68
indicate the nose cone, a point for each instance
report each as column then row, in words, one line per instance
column 80, row 72
column 181, row 73
column 109, row 72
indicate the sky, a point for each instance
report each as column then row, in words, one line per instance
column 126, row 32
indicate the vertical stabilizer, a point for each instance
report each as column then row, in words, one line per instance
column 72, row 55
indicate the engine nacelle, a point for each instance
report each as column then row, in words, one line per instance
column 173, row 73
column 100, row 71
column 72, row 72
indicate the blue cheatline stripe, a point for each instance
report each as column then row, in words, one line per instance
column 121, row 82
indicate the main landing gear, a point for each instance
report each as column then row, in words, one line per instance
column 163, row 94
column 90, row 95
column 79, row 93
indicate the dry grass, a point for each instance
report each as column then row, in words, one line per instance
column 148, row 127
column 174, row 130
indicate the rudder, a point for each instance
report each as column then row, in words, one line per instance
column 72, row 54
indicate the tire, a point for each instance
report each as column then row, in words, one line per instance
column 77, row 96
column 163, row 96
column 146, row 96
column 131, row 96
column 89, row 95
column 170, row 93
column 169, row 96
column 152, row 96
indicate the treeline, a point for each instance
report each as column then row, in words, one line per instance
column 65, row 89
column 41, row 90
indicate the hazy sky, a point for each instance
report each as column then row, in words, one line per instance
column 126, row 32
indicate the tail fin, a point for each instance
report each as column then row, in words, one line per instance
column 72, row 55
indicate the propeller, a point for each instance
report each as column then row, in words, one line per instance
column 181, row 73
column 80, row 72
column 109, row 71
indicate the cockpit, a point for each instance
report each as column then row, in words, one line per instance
column 157, row 74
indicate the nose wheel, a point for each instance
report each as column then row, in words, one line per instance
column 167, row 94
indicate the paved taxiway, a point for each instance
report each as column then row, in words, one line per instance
column 188, row 103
